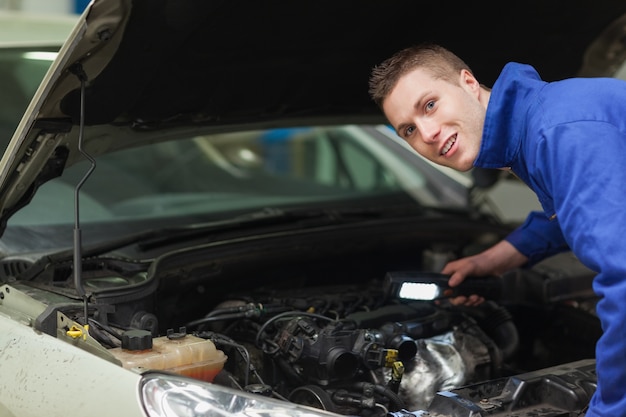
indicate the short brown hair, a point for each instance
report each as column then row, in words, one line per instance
column 441, row 62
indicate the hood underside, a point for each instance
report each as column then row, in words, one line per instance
column 145, row 65
column 240, row 61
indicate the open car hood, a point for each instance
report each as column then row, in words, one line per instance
column 136, row 65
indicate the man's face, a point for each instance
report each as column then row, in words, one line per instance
column 442, row 121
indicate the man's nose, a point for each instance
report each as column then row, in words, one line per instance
column 428, row 129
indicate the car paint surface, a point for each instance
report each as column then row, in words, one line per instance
column 37, row 361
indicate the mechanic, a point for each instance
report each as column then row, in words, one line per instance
column 566, row 140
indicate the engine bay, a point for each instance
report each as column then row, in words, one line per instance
column 325, row 332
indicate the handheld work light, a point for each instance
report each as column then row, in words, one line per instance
column 427, row 286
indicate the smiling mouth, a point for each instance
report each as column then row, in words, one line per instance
column 448, row 145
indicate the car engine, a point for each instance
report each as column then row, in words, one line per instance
column 339, row 349
column 328, row 334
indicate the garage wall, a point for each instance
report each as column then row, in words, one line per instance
column 45, row 6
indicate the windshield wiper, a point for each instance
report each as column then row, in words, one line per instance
column 265, row 217
column 150, row 239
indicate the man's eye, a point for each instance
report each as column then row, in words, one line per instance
column 408, row 131
column 430, row 105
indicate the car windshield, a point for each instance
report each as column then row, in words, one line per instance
column 21, row 70
column 242, row 171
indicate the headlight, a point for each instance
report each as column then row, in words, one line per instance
column 165, row 395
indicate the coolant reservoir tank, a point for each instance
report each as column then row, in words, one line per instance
column 180, row 353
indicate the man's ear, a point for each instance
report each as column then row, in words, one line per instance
column 468, row 81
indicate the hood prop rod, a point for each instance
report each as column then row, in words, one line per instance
column 78, row 70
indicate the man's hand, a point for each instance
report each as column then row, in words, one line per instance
column 494, row 261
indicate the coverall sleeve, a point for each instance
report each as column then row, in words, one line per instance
column 538, row 238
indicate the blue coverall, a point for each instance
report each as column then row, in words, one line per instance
column 567, row 141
